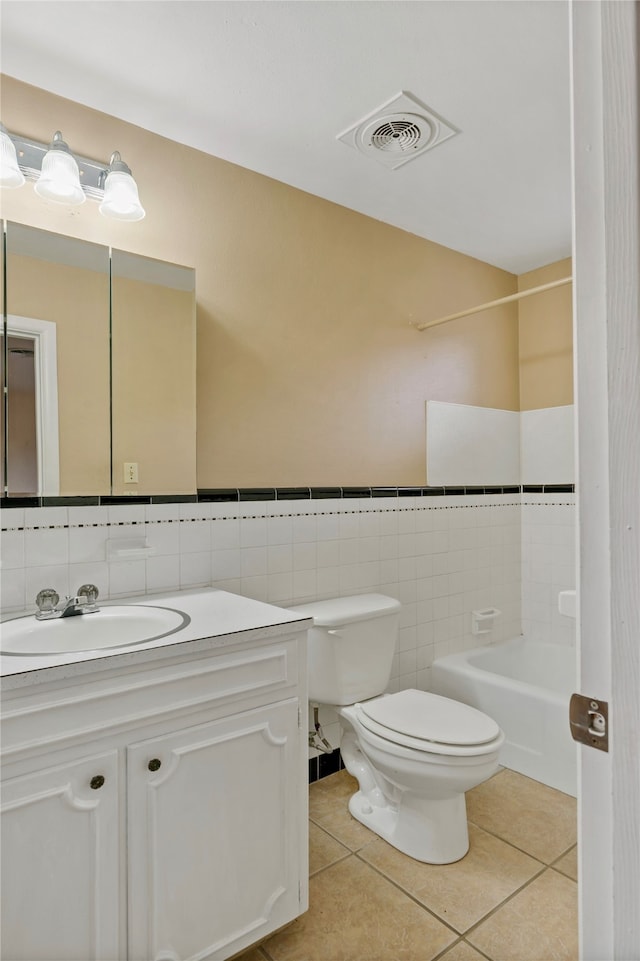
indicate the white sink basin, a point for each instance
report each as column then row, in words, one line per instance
column 117, row 626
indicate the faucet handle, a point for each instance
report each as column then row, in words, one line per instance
column 90, row 593
column 46, row 600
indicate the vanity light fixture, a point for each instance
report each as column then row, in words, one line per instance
column 67, row 179
column 10, row 173
column 121, row 200
column 59, row 178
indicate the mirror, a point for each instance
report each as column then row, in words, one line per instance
column 99, row 361
column 57, row 297
column 154, row 376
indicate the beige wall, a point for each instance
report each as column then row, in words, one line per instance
column 309, row 371
column 546, row 339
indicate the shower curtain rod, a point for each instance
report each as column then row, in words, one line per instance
column 496, row 303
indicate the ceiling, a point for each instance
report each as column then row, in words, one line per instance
column 269, row 85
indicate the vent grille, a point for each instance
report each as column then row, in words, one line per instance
column 396, row 136
column 398, row 131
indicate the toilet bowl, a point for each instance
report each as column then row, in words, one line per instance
column 412, row 785
column 413, row 753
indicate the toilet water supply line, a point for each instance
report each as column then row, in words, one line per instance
column 317, row 739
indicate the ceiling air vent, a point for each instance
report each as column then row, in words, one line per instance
column 398, row 131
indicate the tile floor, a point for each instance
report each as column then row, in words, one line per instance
column 512, row 898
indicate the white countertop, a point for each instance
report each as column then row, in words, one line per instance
column 217, row 618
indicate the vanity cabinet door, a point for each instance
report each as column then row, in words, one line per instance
column 60, row 863
column 213, row 835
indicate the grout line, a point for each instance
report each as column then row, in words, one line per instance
column 343, row 857
column 559, row 858
column 461, row 940
column 411, row 897
column 498, row 907
column 499, row 837
column 327, row 831
column 564, row 854
column 449, row 947
column 474, row 948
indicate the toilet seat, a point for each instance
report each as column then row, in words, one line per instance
column 429, row 723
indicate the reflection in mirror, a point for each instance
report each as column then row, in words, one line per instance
column 153, row 379
column 22, row 414
column 57, row 303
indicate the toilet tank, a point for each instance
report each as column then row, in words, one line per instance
column 351, row 647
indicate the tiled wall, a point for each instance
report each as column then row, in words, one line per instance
column 440, row 556
column 548, row 565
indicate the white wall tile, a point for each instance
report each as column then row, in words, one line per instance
column 328, row 582
column 163, row 573
column 253, row 561
column 90, row 573
column 304, row 584
column 280, row 587
column 304, row 556
column 255, row 587
column 328, row 553
column 195, row 569
column 194, row 536
column 12, row 517
column 225, row 564
column 280, row 530
column 164, row 538
column 46, row 547
column 45, row 516
column 38, row 578
column 87, row 544
column 12, row 549
column 12, row 591
column 225, row 534
column 127, row 578
column 253, row 532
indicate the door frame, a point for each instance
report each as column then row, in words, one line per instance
column 606, row 228
column 43, row 335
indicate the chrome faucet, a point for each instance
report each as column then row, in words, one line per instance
column 50, row 606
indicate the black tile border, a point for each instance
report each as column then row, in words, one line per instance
column 218, row 495
column 324, row 765
column 319, row 493
column 293, row 493
column 242, row 494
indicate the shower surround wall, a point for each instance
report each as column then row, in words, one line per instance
column 548, row 564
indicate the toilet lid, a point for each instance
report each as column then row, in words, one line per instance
column 430, row 717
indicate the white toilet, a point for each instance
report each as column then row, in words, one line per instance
column 414, row 754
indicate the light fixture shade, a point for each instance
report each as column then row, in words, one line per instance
column 60, row 178
column 121, row 200
column 10, row 173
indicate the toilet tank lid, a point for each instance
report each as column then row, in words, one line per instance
column 347, row 610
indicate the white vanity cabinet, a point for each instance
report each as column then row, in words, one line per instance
column 60, row 862
column 213, row 849
column 154, row 809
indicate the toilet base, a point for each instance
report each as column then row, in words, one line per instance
column 430, row 830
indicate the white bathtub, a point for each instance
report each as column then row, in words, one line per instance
column 525, row 687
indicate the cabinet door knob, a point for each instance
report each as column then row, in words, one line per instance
column 97, row 781
column 154, row 764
